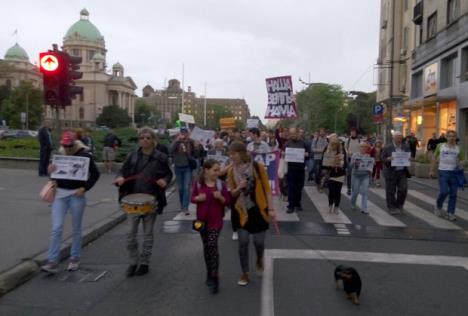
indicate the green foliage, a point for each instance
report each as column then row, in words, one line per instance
column 422, row 158
column 22, row 98
column 214, row 113
column 114, row 117
column 359, row 112
column 320, row 105
column 19, row 147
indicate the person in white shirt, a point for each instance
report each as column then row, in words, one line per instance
column 257, row 145
column 352, row 147
column 449, row 156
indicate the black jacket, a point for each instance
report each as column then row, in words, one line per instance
column 75, row 184
column 155, row 169
column 44, row 139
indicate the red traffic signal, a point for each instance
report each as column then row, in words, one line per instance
column 50, row 63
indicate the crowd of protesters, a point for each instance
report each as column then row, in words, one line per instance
column 223, row 173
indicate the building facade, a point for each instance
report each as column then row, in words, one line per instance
column 100, row 87
column 423, row 66
column 17, row 68
column 174, row 100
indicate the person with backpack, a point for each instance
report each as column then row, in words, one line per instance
column 210, row 195
column 252, row 203
column 111, row 144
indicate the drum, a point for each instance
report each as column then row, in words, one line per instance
column 138, row 204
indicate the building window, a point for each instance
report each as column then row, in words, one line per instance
column 405, row 38
column 76, row 52
column 464, row 65
column 82, row 96
column 81, row 113
column 406, row 5
column 453, row 9
column 417, row 85
column 90, row 54
column 432, row 26
column 448, row 67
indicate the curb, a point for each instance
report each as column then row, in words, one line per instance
column 24, row 271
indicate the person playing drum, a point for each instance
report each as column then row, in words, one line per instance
column 145, row 171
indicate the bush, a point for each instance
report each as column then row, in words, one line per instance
column 19, row 147
column 422, row 159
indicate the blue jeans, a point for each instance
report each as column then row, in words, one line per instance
column 360, row 184
column 310, row 168
column 60, row 207
column 184, row 181
column 448, row 186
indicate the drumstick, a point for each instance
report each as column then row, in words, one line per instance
column 275, row 225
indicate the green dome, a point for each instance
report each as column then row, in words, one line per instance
column 16, row 52
column 84, row 29
column 98, row 56
column 117, row 65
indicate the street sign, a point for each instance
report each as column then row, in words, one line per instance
column 378, row 113
column 49, row 62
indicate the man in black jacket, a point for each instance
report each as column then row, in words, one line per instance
column 146, row 170
column 45, row 142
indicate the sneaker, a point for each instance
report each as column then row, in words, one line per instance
column 365, row 212
column 186, row 211
column 437, row 211
column 336, row 210
column 290, row 210
column 142, row 269
column 131, row 270
column 260, row 267
column 451, row 217
column 235, row 236
column 50, row 267
column 73, row 265
column 244, row 279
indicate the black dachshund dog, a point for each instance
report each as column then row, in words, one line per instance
column 351, row 282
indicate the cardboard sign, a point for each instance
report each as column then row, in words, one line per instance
column 186, row 118
column 363, row 163
column 70, row 167
column 201, row 135
column 281, row 102
column 401, row 159
column 294, row 154
column 227, row 123
column 332, row 160
column 252, row 123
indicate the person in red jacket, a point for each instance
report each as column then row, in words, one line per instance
column 211, row 196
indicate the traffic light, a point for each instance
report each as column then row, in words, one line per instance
column 69, row 75
column 50, row 65
column 59, row 71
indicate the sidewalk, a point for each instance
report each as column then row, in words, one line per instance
column 25, row 223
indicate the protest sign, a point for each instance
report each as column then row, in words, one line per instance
column 363, row 163
column 294, row 154
column 70, row 167
column 332, row 160
column 201, row 135
column 219, row 158
column 227, row 123
column 186, row 118
column 271, row 163
column 252, row 123
column 401, row 159
column 173, row 131
column 281, row 102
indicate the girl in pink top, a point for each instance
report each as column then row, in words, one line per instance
column 211, row 196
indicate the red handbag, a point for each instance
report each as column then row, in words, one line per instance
column 47, row 193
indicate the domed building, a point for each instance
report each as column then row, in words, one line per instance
column 16, row 67
column 100, row 88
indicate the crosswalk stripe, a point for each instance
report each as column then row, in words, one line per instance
column 278, row 205
column 320, row 201
column 422, row 214
column 428, row 199
column 379, row 215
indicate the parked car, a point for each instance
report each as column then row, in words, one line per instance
column 14, row 133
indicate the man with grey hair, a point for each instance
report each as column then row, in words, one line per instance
column 396, row 177
column 146, row 170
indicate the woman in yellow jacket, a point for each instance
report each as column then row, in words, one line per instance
column 252, row 205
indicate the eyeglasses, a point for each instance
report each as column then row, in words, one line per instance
column 145, row 137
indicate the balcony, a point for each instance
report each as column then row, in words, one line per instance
column 418, row 13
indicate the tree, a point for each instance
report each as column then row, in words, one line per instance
column 142, row 112
column 113, row 116
column 214, row 113
column 320, row 106
column 359, row 111
column 24, row 98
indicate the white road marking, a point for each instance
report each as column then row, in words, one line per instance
column 431, row 200
column 279, row 206
column 320, row 201
column 422, row 214
column 268, row 305
column 379, row 215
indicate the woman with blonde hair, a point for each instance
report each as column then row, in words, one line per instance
column 252, row 205
column 334, row 161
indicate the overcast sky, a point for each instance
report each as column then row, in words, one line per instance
column 231, row 45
